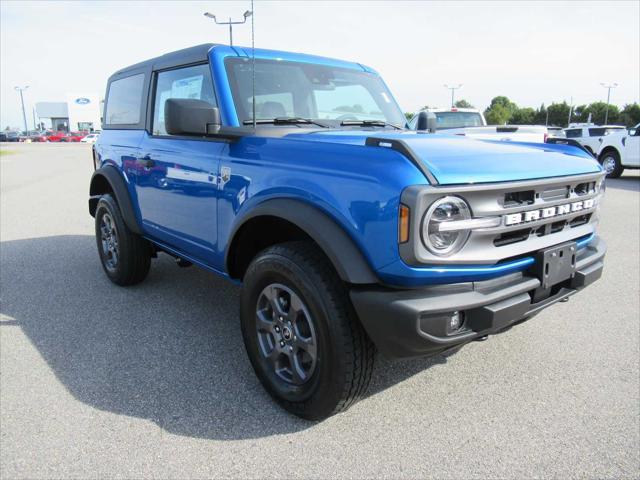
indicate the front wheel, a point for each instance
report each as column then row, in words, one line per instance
column 611, row 163
column 301, row 333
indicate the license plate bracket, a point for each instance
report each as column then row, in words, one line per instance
column 556, row 264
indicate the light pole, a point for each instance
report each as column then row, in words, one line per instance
column 245, row 15
column 453, row 88
column 608, row 86
column 24, row 115
column 570, row 112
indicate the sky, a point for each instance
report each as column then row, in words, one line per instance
column 532, row 52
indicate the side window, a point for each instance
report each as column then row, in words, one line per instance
column 124, row 101
column 596, row 132
column 190, row 82
column 574, row 133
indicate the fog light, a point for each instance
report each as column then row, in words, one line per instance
column 456, row 320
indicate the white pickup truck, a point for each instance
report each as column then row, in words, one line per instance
column 506, row 133
column 452, row 118
column 590, row 135
column 618, row 152
column 470, row 122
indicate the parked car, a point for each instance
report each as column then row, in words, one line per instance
column 55, row 136
column 91, row 138
column 449, row 118
column 73, row 137
column 590, row 136
column 347, row 233
column 618, row 152
column 33, row 136
column 39, row 137
column 10, row 136
column 556, row 132
column 505, row 133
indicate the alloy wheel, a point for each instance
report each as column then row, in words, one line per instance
column 109, row 241
column 609, row 164
column 286, row 335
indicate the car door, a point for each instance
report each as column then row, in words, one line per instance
column 632, row 149
column 177, row 176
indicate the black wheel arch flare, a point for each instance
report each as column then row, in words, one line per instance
column 109, row 176
column 345, row 256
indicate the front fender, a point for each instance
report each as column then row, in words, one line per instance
column 341, row 250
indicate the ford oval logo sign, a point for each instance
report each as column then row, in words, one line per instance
column 82, row 101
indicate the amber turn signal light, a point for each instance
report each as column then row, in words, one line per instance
column 403, row 224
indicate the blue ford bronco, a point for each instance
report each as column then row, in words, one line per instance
column 296, row 177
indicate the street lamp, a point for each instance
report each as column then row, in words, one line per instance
column 453, row 88
column 608, row 86
column 245, row 15
column 24, row 115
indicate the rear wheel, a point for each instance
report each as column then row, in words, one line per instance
column 301, row 333
column 610, row 161
column 125, row 256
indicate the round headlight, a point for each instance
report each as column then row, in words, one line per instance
column 445, row 242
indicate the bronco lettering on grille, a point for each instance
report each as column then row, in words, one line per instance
column 547, row 212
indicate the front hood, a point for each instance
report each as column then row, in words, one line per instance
column 454, row 159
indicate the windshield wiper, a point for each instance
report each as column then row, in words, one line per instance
column 285, row 121
column 369, row 123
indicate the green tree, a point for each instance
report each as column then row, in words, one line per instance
column 597, row 111
column 500, row 111
column 576, row 113
column 408, row 115
column 630, row 115
column 462, row 103
column 558, row 114
column 541, row 115
column 497, row 115
column 523, row 116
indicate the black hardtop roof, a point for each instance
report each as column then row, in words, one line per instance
column 185, row 56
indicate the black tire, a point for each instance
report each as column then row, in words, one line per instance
column 612, row 158
column 132, row 258
column 344, row 354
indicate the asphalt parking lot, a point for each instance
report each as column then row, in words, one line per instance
column 152, row 381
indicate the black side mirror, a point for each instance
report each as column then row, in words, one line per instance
column 427, row 121
column 188, row 116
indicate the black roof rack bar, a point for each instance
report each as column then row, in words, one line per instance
column 402, row 147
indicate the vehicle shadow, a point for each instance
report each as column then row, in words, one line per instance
column 168, row 350
column 631, row 183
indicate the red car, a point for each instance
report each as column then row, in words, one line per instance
column 55, row 136
column 73, row 137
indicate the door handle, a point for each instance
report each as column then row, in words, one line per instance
column 145, row 161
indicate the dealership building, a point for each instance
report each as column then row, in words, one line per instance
column 81, row 112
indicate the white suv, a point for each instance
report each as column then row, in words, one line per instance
column 618, row 152
column 590, row 136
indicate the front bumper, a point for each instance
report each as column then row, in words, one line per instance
column 408, row 323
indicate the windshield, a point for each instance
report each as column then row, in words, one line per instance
column 327, row 94
column 458, row 120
